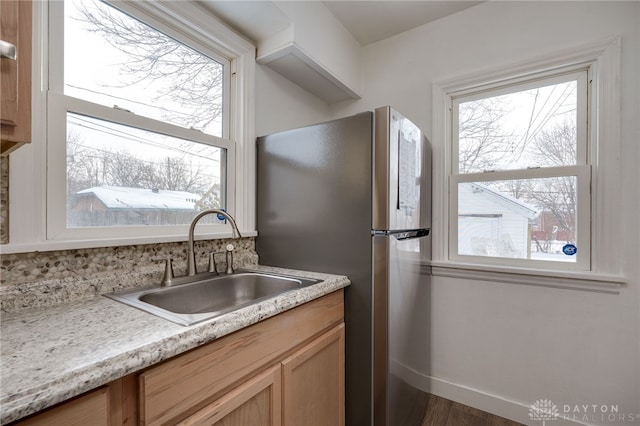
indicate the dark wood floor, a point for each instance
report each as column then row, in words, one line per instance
column 442, row 412
column 413, row 407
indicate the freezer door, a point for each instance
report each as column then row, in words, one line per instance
column 401, row 331
column 398, row 167
column 314, row 198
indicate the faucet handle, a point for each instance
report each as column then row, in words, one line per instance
column 229, row 257
column 212, row 261
column 167, row 278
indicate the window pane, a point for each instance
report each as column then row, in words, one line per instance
column 520, row 218
column 120, row 176
column 529, row 128
column 113, row 59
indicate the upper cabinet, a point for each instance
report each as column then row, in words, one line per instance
column 15, row 76
column 303, row 41
column 315, row 51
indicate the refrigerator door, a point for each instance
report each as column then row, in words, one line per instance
column 397, row 169
column 401, row 331
column 314, row 213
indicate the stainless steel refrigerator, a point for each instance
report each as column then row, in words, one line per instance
column 353, row 196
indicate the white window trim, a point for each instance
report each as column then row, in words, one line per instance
column 605, row 275
column 28, row 165
column 581, row 170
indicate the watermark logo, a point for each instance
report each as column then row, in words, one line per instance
column 543, row 409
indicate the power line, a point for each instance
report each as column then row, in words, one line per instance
column 137, row 138
column 159, row 163
column 186, row 114
column 91, row 125
column 551, row 112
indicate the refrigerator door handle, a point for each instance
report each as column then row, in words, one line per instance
column 403, row 234
column 398, row 169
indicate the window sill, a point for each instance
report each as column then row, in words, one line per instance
column 585, row 281
column 86, row 244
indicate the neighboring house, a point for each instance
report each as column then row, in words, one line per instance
column 549, row 228
column 492, row 223
column 116, row 205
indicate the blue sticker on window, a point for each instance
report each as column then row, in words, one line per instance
column 569, row 249
column 221, row 217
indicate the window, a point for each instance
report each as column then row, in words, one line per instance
column 146, row 117
column 520, row 174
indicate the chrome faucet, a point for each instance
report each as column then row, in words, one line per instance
column 191, row 261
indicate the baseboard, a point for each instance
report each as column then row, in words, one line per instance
column 493, row 404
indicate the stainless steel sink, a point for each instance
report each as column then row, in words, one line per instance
column 205, row 296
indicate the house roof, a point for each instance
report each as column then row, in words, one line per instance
column 121, row 197
column 506, row 200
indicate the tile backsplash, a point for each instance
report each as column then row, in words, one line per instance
column 48, row 278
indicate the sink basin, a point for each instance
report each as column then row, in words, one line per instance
column 206, row 296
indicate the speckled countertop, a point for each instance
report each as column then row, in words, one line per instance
column 51, row 354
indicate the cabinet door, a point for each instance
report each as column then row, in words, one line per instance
column 256, row 402
column 15, row 75
column 313, row 382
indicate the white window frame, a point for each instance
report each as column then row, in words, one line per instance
column 602, row 58
column 37, row 180
column 581, row 170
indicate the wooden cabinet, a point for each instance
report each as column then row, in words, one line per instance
column 15, row 75
column 307, row 388
column 114, row 404
column 89, row 409
column 304, row 345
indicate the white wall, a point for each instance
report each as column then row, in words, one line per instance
column 503, row 346
column 282, row 105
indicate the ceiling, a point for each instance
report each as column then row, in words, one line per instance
column 367, row 20
column 371, row 21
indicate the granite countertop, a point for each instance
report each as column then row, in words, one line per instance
column 49, row 355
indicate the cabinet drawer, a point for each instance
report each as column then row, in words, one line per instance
column 90, row 409
column 184, row 384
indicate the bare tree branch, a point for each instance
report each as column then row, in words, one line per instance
column 481, row 141
column 187, row 77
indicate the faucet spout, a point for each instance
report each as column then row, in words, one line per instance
column 191, row 260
